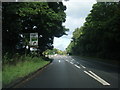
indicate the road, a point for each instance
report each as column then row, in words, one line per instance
column 73, row 72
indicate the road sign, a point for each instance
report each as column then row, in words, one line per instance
column 34, row 39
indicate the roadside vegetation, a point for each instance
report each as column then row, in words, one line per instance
column 21, row 19
column 54, row 51
column 1, row 76
column 99, row 37
column 18, row 68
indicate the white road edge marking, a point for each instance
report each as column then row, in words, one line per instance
column 97, row 78
column 83, row 66
column 77, row 66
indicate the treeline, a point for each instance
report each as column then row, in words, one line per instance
column 100, row 34
column 22, row 18
column 54, row 51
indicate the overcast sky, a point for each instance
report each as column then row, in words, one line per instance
column 77, row 11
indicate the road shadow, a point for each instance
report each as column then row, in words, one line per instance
column 98, row 65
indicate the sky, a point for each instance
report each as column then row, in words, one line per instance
column 76, row 12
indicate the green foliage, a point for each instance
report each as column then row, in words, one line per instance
column 99, row 36
column 44, row 18
column 11, row 59
column 11, row 73
column 54, row 51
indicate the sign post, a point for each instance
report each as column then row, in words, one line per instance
column 34, row 40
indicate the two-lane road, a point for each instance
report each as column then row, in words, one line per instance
column 72, row 72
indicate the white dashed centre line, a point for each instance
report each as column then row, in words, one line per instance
column 66, row 60
column 93, row 75
column 71, row 62
column 59, row 61
column 77, row 66
column 83, row 66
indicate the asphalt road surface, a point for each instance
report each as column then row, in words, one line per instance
column 73, row 72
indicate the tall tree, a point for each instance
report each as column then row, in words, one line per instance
column 100, row 35
column 45, row 18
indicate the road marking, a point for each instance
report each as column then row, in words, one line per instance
column 99, row 78
column 77, row 66
column 72, row 59
column 71, row 62
column 59, row 61
column 93, row 75
column 66, row 60
column 83, row 66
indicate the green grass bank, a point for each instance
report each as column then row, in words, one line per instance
column 21, row 69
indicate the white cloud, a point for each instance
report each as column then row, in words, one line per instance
column 61, row 43
column 77, row 11
column 73, row 23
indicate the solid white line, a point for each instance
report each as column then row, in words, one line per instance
column 77, row 66
column 106, row 83
column 99, row 80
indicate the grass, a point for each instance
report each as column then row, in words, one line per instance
column 0, row 76
column 0, row 79
column 12, row 72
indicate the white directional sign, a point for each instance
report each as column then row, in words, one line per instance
column 34, row 39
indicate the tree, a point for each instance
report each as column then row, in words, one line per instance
column 99, row 36
column 45, row 18
column 54, row 51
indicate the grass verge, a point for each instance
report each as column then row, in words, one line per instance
column 11, row 73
